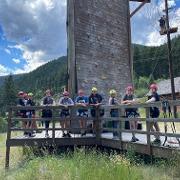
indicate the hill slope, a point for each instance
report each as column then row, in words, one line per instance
column 51, row 75
column 153, row 60
column 147, row 61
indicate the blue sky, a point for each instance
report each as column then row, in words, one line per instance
column 29, row 30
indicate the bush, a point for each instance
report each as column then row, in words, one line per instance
column 3, row 124
column 141, row 92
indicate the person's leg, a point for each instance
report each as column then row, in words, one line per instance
column 47, row 127
column 132, row 125
column 67, row 126
column 156, row 125
column 93, row 114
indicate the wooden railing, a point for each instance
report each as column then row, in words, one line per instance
column 98, row 123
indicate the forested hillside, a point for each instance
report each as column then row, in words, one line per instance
column 152, row 61
column 52, row 75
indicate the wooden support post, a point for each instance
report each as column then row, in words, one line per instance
column 8, row 138
column 148, row 132
column 120, row 127
column 98, row 125
column 53, row 127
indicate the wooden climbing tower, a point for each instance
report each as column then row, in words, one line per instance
column 99, row 45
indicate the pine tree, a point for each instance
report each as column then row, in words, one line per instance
column 9, row 92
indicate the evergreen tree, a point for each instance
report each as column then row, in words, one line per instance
column 9, row 92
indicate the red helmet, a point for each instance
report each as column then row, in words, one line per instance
column 20, row 93
column 154, row 86
column 65, row 93
column 130, row 88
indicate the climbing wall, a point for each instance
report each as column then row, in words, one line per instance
column 99, row 45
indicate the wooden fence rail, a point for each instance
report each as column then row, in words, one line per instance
column 98, row 128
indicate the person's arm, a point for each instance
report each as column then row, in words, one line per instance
column 151, row 100
column 110, row 101
column 124, row 101
column 43, row 102
column 76, row 102
column 54, row 102
column 60, row 101
column 71, row 102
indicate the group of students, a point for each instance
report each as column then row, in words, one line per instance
column 95, row 99
column 128, row 99
column 26, row 99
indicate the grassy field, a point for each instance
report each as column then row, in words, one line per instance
column 82, row 165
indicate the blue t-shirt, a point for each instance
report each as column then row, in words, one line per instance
column 83, row 100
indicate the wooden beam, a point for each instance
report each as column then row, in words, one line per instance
column 171, row 30
column 137, row 9
column 147, row 1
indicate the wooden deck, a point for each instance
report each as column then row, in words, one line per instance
column 105, row 139
column 126, row 137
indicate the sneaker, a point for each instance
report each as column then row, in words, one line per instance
column 32, row 134
column 133, row 139
column 64, row 135
column 46, row 135
column 115, row 138
column 157, row 141
column 26, row 134
column 68, row 135
column 83, row 134
column 136, row 139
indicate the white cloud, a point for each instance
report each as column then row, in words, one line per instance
column 4, row 70
column 7, row 51
column 17, row 61
column 38, row 27
column 145, row 25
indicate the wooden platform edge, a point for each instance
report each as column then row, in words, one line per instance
column 157, row 151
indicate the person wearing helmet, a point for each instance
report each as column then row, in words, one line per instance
column 22, row 113
column 65, row 101
column 114, row 112
column 131, row 112
column 95, row 99
column 154, row 111
column 82, row 101
column 31, row 114
column 47, row 113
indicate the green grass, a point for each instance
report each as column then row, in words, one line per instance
column 84, row 165
column 87, row 165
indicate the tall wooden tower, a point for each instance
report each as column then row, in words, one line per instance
column 99, row 45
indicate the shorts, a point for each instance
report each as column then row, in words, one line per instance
column 82, row 113
column 64, row 113
column 114, row 113
column 154, row 113
column 46, row 113
column 93, row 112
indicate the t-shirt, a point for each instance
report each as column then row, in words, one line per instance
column 83, row 100
column 154, row 111
column 47, row 100
column 113, row 101
column 130, row 98
column 21, row 102
column 95, row 99
column 66, row 101
column 30, row 102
